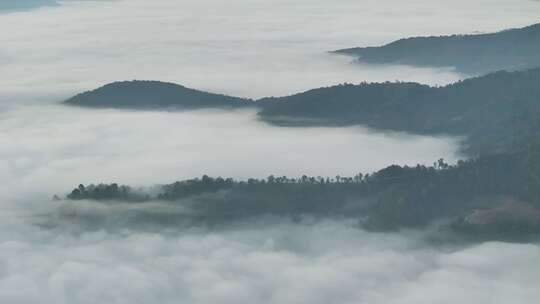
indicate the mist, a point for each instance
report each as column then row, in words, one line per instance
column 54, row 252
column 264, row 261
column 50, row 149
column 244, row 48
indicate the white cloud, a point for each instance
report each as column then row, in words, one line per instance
column 241, row 47
column 50, row 149
column 264, row 262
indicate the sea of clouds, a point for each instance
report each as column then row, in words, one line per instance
column 50, row 149
column 246, row 48
column 241, row 47
column 263, row 261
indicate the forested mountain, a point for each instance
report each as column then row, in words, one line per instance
column 494, row 197
column 472, row 54
column 153, row 95
column 494, row 111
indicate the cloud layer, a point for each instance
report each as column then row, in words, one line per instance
column 50, row 149
column 271, row 261
column 241, row 47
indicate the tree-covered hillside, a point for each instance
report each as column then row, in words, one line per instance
column 472, row 54
column 391, row 198
column 153, row 95
column 494, row 111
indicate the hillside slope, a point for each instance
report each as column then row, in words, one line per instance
column 152, row 94
column 493, row 110
column 472, row 54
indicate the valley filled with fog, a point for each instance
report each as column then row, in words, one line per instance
column 243, row 48
column 52, row 147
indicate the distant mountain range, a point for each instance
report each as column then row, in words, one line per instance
column 493, row 111
column 471, row 54
column 495, row 196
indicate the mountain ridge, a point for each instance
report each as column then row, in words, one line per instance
column 473, row 54
column 151, row 94
column 493, row 111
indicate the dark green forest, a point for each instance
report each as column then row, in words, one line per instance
column 495, row 112
column 471, row 54
column 392, row 198
column 141, row 94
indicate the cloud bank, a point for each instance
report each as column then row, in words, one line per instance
column 270, row 261
column 241, row 47
column 50, row 149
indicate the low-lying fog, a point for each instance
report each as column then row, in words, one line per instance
column 246, row 48
column 264, row 261
column 54, row 148
column 48, row 257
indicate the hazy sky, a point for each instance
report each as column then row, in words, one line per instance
column 242, row 47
